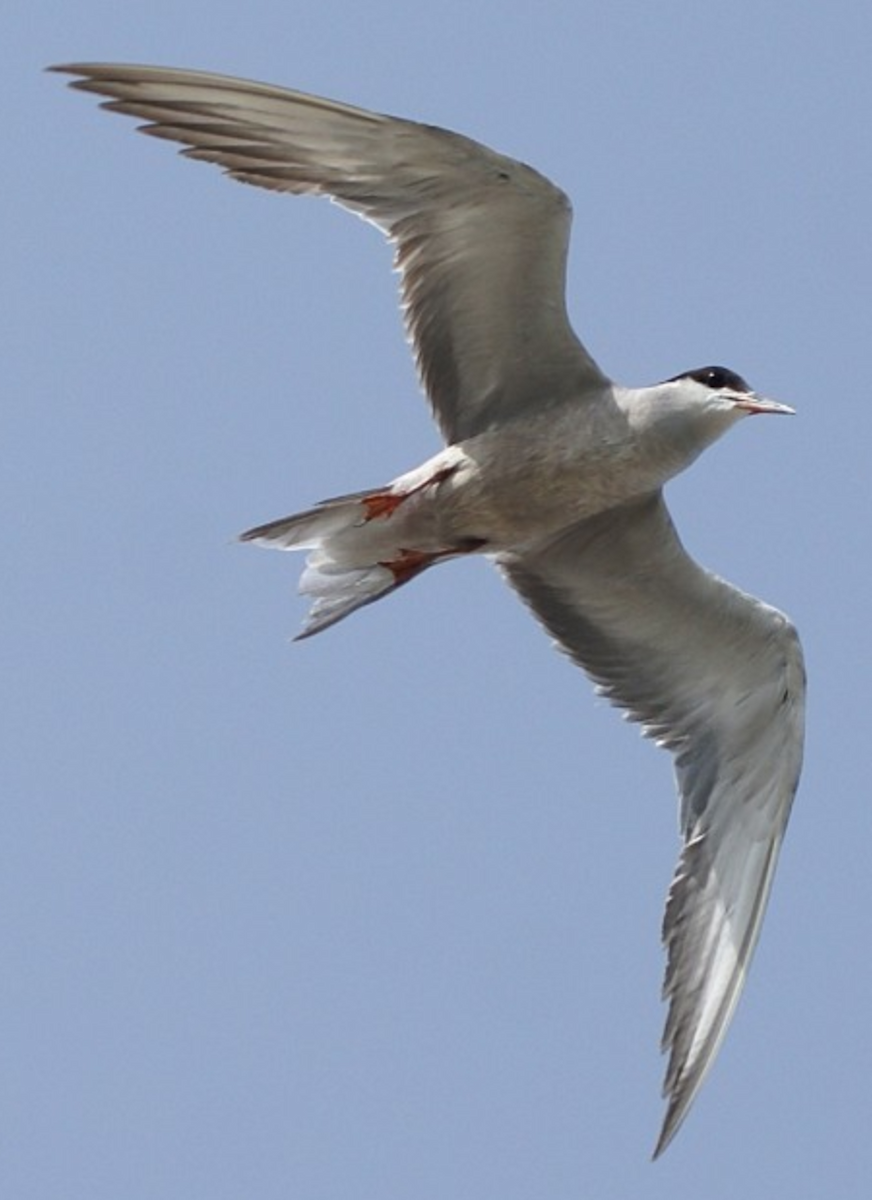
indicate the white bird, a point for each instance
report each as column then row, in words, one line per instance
column 553, row 471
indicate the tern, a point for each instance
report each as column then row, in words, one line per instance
column 551, row 470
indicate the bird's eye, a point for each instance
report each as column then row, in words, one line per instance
column 717, row 378
column 714, row 377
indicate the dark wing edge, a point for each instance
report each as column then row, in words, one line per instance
column 716, row 677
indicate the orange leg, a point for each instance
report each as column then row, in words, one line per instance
column 409, row 563
column 384, row 504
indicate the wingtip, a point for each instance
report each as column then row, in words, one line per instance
column 308, row 630
column 67, row 68
column 83, row 75
column 671, row 1124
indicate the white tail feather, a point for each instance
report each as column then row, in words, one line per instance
column 305, row 530
column 338, row 591
column 347, row 566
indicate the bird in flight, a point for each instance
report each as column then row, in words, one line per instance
column 553, row 471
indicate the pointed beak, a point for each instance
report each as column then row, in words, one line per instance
column 752, row 403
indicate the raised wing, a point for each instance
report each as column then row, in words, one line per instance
column 716, row 677
column 481, row 240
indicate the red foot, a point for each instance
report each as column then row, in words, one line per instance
column 382, row 504
column 385, row 504
column 408, row 563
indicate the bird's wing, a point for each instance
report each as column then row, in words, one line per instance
column 716, row 677
column 481, row 240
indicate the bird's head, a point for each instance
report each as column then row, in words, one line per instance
column 685, row 414
column 717, row 391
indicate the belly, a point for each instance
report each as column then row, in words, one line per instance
column 516, row 493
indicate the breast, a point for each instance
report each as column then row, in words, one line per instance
column 530, row 479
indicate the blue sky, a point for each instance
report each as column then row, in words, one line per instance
column 378, row 914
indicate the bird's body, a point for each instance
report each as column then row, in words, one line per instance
column 521, row 484
column 537, row 475
column 552, row 470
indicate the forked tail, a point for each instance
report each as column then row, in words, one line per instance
column 357, row 552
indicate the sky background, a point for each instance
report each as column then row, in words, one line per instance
column 378, row 915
